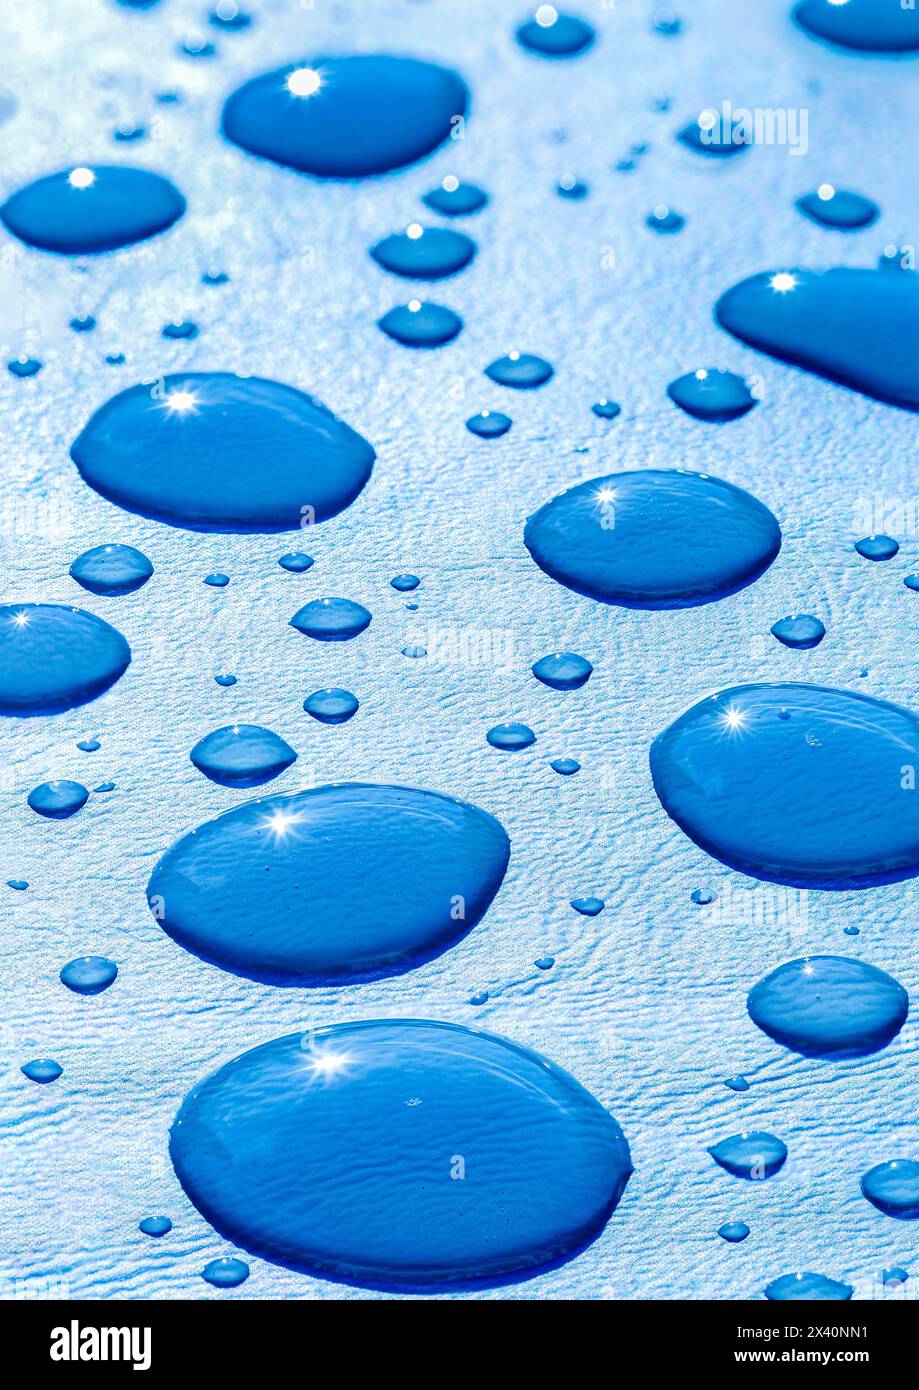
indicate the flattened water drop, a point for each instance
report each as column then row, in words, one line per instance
column 58, row 800
column 868, row 26
column 111, row 569
column 155, row 1226
column 42, row 1071
column 332, row 619
column 850, row 326
column 734, row 1231
column 588, row 907
column 54, row 658
column 893, row 1188
column 799, row 630
column 812, row 797
column 242, row 755
column 563, row 670
column 807, row 1287
column 489, row 424
column 606, row 409
column 555, row 35
column 210, row 451
column 296, row 562
column 711, row 135
column 511, row 738
column 829, row 1006
column 877, row 547
column 225, row 1273
column 654, row 539
column 419, row 324
column 83, row 211
column 405, row 583
column 664, row 219
column 392, row 1112
column 712, row 395
column 331, row 706
column 89, row 974
column 838, row 208
column 346, row 117
column 753, row 1155
column 335, row 883
column 424, row 253
column 521, row 370
column 455, row 199
column 565, row 767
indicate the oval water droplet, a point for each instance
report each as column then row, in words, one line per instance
column 734, row 1231
column 489, row 424
column 829, row 1006
column 180, row 329
column 713, row 135
column 838, row 208
column 54, row 658
column 24, row 367
column 210, row 451
column 455, row 199
column 787, row 799
column 347, row 117
column 332, row 619
column 510, row 738
column 405, row 583
column 588, row 907
column 753, row 1155
column 331, row 706
column 712, row 395
column 83, row 211
column 877, row 547
column 155, row 1226
column 296, row 562
column 225, row 1273
column 424, row 253
column 565, row 767
column 334, row 883
column 654, row 539
column 799, row 630
column 864, row 25
column 845, row 324
column 555, row 35
column 664, row 219
column 242, row 755
column 217, row 581
column 42, row 1071
column 419, row 324
column 89, row 974
column 893, row 1188
column 807, row 1286
column 521, row 370
column 403, row 1106
column 563, row 670
column 111, row 569
column 606, row 410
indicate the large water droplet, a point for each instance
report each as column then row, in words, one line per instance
column 81, row 211
column 847, row 325
column 334, row 883
column 712, row 395
column 54, row 658
column 799, row 784
column 799, row 630
column 331, row 619
column 346, row 117
column 421, row 253
column 808, row 1287
column 654, row 538
column 829, row 1006
column 210, row 451
column 752, row 1155
column 893, row 1187
column 242, row 755
column 555, row 35
column 111, row 569
column 58, row 800
column 467, row 1158
column 838, row 208
column 225, row 1273
column 42, row 1070
column 877, row 547
column 89, row 974
column 865, row 25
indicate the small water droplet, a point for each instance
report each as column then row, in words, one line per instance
column 877, row 547
column 489, row 424
column 296, row 562
column 43, row 1070
column 155, row 1226
column 420, row 324
column 734, row 1231
column 455, row 199
column 712, row 395
column 565, row 767
column 225, row 1273
column 562, row 670
column 588, row 907
column 424, row 253
column 520, row 370
column 808, row 1287
column 510, row 738
column 331, row 706
column 242, row 755
column 753, row 1155
column 555, row 35
column 83, row 211
column 837, row 208
column 89, row 974
column 799, row 630
column 893, row 1187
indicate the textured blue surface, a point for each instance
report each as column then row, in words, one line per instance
column 645, row 1005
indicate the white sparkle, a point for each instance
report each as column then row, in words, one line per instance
column 606, row 495
column 734, row 719
column 279, row 824
column 414, row 305
column 546, row 16
column 414, row 230
column 81, row 178
column 326, row 1063
column 701, row 374
column 450, row 183
column 783, row 282
column 21, row 620
column 181, row 402
column 825, row 192
column 304, row 82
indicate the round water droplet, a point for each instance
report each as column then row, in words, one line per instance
column 405, row 583
column 54, row 658
column 42, row 1071
column 419, row 324
column 82, row 211
column 210, row 451
column 555, row 35
column 565, row 767
column 82, row 323
column 111, row 569
column 799, row 630
column 893, row 1188
column 877, row 547
column 334, row 883
column 58, row 800
column 24, row 366
column 712, row 395
column 570, row 187
column 455, row 199
column 544, row 1163
column 606, row 409
column 521, row 370
column 829, row 1006
column 332, row 706
column 864, row 25
column 332, row 619
column 654, row 539
column 808, row 1287
column 227, row 15
column 347, row 117
column 754, row 1155
column 563, row 670
column 424, row 253
column 510, row 738
column 414, row 652
column 734, row 1231
column 895, row 1275
column 225, row 1273
column 242, row 755
column 89, row 974
column 837, row 208
column 180, row 328
column 664, row 219
column 588, row 907
column 155, row 1226
column 296, row 562
column 489, row 424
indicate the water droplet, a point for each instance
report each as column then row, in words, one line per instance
column 479, row 999
column 19, row 884
column 455, row 199
column 912, row 582
column 331, row 706
column 24, row 366
column 225, row 680
column 332, row 619
column 43, row 1070
column 846, row 325
column 415, row 652
column 544, row 1163
column 510, row 738
column 231, row 454
column 893, row 1188
column 807, row 1286
column 296, row 562
column 799, row 630
column 737, row 1083
column 82, row 323
column 489, row 424
column 155, row 1226
column 521, row 370
column 215, row 277
column 105, row 787
column 226, row 14
column 829, row 1006
column 754, row 1155
column 225, row 1273
column 555, row 35
column 58, row 800
column 89, row 974
column 242, row 755
column 709, row 134
column 424, row 253
column 837, row 208
column 420, row 324
column 877, row 547
column 654, row 539
column 861, row 24
column 217, row 581
column 180, row 328
column 346, row 117
column 89, row 745
column 562, row 670
column 570, row 187
column 664, row 219
column 82, row 211
column 606, row 409
column 54, row 658
column 544, row 962
column 712, row 395
column 588, row 907
column 111, row 569
column 405, row 583
column 703, row 896
column 127, row 131
column 334, row 883
column 734, row 1231
column 786, row 799
column 666, row 22
column 565, row 767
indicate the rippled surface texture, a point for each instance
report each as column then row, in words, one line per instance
column 645, row 1004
